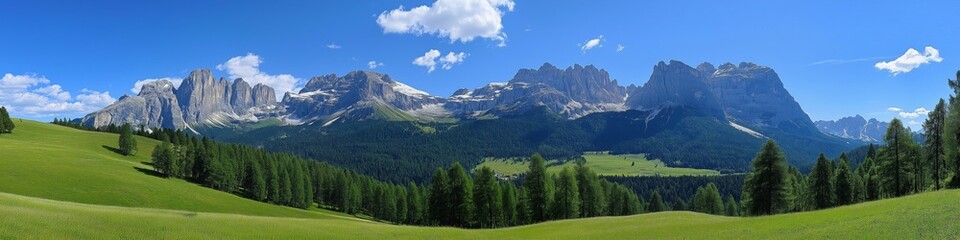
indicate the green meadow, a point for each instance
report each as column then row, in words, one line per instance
column 602, row 163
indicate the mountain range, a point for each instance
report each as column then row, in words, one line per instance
column 708, row 117
column 855, row 127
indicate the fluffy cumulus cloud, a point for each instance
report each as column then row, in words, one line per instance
column 916, row 113
column 374, row 64
column 139, row 84
column 429, row 60
column 910, row 60
column 459, row 20
column 248, row 68
column 34, row 96
column 591, row 44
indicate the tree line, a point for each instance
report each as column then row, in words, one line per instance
column 6, row 123
column 899, row 167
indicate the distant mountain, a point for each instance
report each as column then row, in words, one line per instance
column 199, row 100
column 359, row 95
column 572, row 92
column 855, row 127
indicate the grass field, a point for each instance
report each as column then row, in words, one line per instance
column 57, row 182
column 60, row 163
column 603, row 164
column 924, row 216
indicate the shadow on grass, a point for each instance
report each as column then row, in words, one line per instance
column 113, row 149
column 150, row 172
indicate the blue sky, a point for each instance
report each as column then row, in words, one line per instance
column 824, row 51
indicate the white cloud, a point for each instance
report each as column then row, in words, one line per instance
column 248, row 68
column 459, row 20
column 34, row 96
column 910, row 60
column 919, row 112
column 333, row 46
column 450, row 59
column 139, row 84
column 429, row 60
column 374, row 64
column 620, row 47
column 592, row 43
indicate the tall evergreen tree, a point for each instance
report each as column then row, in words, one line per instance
column 821, row 191
column 536, row 185
column 933, row 142
column 567, row 198
column 254, row 185
column 439, row 205
column 128, row 144
column 591, row 193
column 486, row 198
column 679, row 205
column 951, row 132
column 6, row 124
column 461, row 196
column 732, row 206
column 765, row 190
column 510, row 202
column 896, row 159
column 656, row 202
column 708, row 200
column 414, row 207
column 164, row 160
column 843, row 183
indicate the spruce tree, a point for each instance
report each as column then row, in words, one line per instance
column 163, row 159
column 765, row 190
column 439, row 205
column 843, row 183
column 933, row 142
column 510, row 202
column 896, row 158
column 591, row 193
column 731, row 206
column 486, row 198
column 567, row 198
column 951, row 132
column 656, row 202
column 127, row 143
column 414, row 209
column 536, row 185
column 708, row 200
column 461, row 196
column 821, row 191
column 6, row 125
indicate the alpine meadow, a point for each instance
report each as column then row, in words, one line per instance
column 479, row 119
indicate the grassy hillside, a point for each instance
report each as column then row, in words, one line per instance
column 924, row 216
column 60, row 163
column 603, row 164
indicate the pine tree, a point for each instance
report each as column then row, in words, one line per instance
column 536, row 185
column 951, row 132
column 591, row 193
column 510, row 202
column 765, row 190
column 842, row 183
column 461, row 196
column 821, row 191
column 731, row 206
column 414, row 209
column 486, row 198
column 254, row 185
column 439, row 205
column 896, row 173
column 567, row 198
column 6, row 124
column 708, row 200
column 933, row 144
column 656, row 202
column 163, row 159
column 128, row 144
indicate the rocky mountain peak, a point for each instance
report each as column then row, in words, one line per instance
column 706, row 68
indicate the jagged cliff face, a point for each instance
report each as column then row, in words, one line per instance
column 572, row 92
column 747, row 95
column 855, row 127
column 353, row 95
column 199, row 100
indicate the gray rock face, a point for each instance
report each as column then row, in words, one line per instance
column 330, row 96
column 155, row 106
column 571, row 92
column 199, row 100
column 676, row 84
column 747, row 94
column 855, row 127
